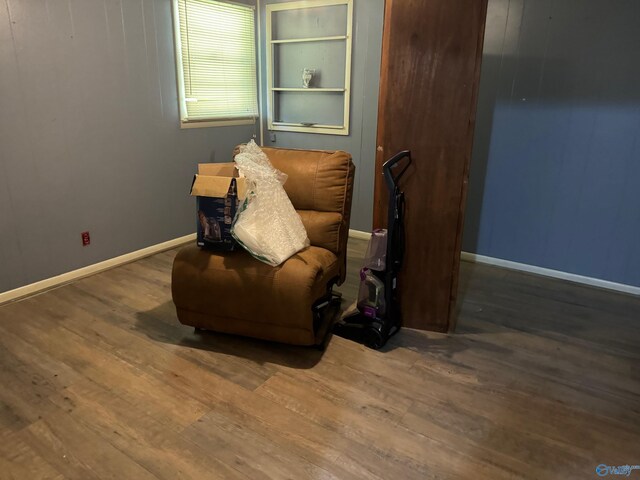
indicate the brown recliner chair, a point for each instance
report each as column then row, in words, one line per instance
column 232, row 292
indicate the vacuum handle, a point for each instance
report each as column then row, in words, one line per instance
column 387, row 166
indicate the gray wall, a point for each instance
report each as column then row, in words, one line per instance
column 89, row 135
column 365, row 81
column 556, row 164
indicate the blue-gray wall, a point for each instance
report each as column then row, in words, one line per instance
column 555, row 173
column 89, row 135
column 365, row 83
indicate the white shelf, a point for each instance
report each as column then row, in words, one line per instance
column 310, row 39
column 278, row 89
column 277, row 95
column 306, row 125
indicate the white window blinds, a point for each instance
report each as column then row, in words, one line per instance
column 216, row 60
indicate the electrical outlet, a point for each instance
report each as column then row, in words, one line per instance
column 86, row 239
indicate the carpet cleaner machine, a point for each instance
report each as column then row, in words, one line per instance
column 377, row 317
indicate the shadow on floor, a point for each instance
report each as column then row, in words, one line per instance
column 161, row 325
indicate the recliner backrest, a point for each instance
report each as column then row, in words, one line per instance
column 320, row 186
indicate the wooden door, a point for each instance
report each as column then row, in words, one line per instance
column 430, row 72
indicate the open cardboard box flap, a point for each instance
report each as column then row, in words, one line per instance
column 213, row 180
column 218, row 169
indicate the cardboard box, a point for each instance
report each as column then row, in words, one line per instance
column 218, row 191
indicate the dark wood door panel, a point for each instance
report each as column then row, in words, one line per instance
column 432, row 51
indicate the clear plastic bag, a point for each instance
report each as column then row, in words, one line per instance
column 376, row 256
column 266, row 225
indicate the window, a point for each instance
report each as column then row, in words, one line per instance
column 216, row 62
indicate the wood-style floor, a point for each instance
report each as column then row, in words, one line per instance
column 98, row 380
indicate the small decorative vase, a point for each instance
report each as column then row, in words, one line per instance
column 307, row 75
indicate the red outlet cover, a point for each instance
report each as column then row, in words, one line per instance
column 86, row 239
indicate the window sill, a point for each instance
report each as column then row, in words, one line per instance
column 217, row 123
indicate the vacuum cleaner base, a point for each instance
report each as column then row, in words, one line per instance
column 372, row 332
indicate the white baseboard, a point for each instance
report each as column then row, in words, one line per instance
column 522, row 267
column 68, row 277
column 547, row 272
column 359, row 234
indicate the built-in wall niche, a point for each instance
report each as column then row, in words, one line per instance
column 309, row 66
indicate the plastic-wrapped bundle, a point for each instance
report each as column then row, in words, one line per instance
column 267, row 225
